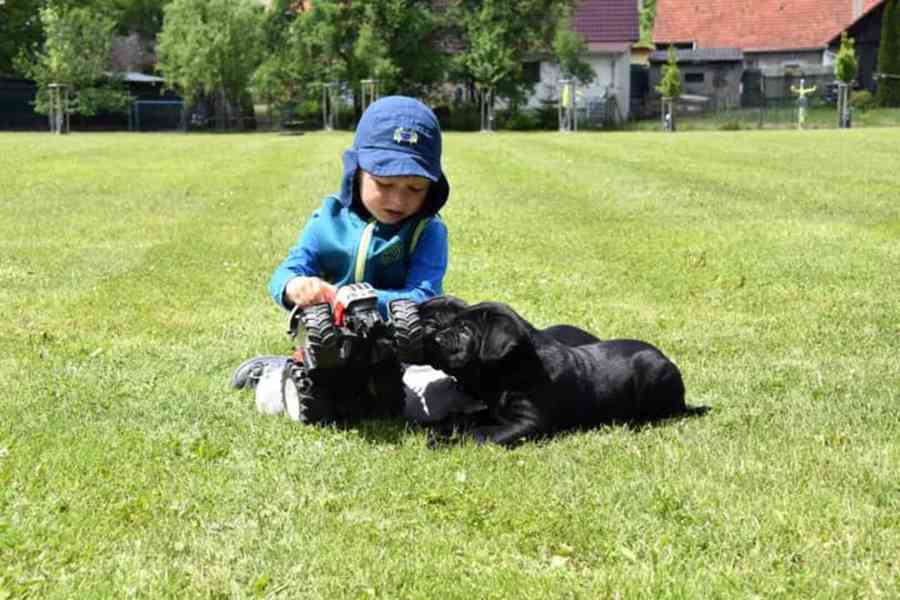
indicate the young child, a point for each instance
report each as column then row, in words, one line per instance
column 383, row 228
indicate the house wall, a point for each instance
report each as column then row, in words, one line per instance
column 721, row 81
column 613, row 73
column 777, row 60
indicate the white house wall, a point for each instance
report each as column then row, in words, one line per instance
column 613, row 73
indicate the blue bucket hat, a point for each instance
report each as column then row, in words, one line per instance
column 397, row 136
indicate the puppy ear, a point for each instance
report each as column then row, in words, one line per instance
column 503, row 336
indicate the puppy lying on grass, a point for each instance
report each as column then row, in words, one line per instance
column 535, row 386
column 438, row 313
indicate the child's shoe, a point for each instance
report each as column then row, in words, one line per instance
column 248, row 373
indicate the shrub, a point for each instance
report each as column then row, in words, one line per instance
column 862, row 100
column 465, row 117
column 547, row 116
column 730, row 125
column 526, row 120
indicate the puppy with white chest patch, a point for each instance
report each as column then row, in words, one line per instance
column 437, row 313
column 542, row 386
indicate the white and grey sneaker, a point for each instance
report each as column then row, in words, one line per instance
column 270, row 390
column 249, row 372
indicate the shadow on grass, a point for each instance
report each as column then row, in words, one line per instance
column 380, row 431
column 477, row 427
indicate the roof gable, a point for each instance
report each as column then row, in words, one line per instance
column 754, row 24
column 607, row 21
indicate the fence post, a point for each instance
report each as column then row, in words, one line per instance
column 369, row 89
column 59, row 108
column 843, row 105
column 487, row 109
column 568, row 117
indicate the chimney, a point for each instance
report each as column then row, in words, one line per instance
column 857, row 9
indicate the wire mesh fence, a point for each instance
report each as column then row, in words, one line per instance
column 764, row 102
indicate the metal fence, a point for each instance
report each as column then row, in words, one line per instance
column 766, row 101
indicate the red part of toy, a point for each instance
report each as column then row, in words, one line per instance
column 338, row 313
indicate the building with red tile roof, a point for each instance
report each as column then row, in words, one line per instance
column 755, row 25
column 781, row 40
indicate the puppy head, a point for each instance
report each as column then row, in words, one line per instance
column 436, row 313
column 483, row 335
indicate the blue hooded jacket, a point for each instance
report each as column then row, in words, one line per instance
column 343, row 244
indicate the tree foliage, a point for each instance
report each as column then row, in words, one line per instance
column 670, row 84
column 489, row 57
column 568, row 48
column 845, row 63
column 141, row 16
column 75, row 53
column 387, row 29
column 646, row 20
column 20, row 30
column 888, row 93
column 218, row 47
column 209, row 47
column 499, row 35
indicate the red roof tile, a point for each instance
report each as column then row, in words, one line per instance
column 754, row 24
column 607, row 20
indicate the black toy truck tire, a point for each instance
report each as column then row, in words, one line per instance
column 408, row 331
column 322, row 337
column 314, row 404
column 315, row 407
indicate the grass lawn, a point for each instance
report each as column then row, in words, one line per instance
column 765, row 263
column 783, row 116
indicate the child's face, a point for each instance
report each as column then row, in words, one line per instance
column 392, row 199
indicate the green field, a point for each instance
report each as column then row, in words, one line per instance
column 132, row 275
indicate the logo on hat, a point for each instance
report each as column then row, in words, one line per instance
column 406, row 136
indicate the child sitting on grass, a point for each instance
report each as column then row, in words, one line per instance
column 383, row 228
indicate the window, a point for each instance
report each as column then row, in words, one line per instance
column 531, row 71
column 694, row 77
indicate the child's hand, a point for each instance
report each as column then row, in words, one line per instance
column 304, row 291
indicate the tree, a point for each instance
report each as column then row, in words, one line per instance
column 670, row 88
column 845, row 63
column 500, row 34
column 20, row 30
column 75, row 53
column 568, row 47
column 140, row 16
column 670, row 84
column 211, row 48
column 387, row 30
column 889, row 56
column 845, row 66
column 489, row 58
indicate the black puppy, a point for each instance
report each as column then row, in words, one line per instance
column 437, row 313
column 540, row 386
